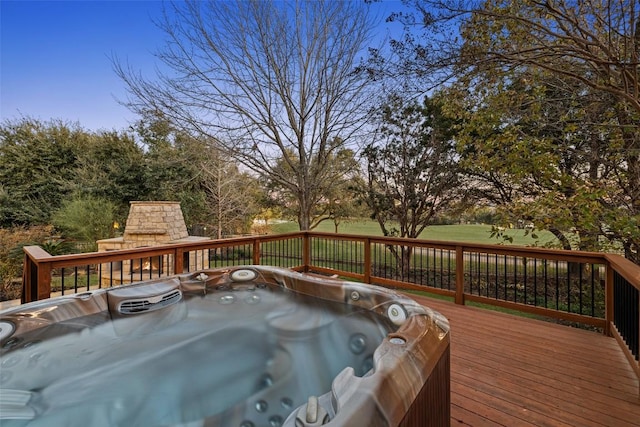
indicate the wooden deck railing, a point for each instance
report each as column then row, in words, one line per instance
column 601, row 290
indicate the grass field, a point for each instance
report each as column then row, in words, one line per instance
column 471, row 233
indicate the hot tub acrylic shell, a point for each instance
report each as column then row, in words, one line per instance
column 382, row 360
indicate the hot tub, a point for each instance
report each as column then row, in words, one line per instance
column 239, row 347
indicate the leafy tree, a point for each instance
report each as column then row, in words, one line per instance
column 86, row 219
column 591, row 42
column 269, row 81
column 591, row 50
column 594, row 45
column 265, row 215
column 173, row 166
column 345, row 201
column 413, row 173
column 342, row 201
column 534, row 150
column 37, row 165
column 112, row 167
column 167, row 169
column 212, row 190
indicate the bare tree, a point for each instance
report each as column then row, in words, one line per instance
column 268, row 80
column 332, row 193
column 231, row 197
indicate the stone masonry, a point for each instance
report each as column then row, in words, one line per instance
column 153, row 223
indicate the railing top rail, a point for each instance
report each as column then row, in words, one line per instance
column 559, row 254
column 544, row 253
column 626, row 268
column 58, row 261
column 337, row 236
column 37, row 254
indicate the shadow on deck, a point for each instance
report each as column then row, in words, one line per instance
column 513, row 371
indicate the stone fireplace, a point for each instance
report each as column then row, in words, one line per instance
column 150, row 224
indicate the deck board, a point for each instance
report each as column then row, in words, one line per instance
column 514, row 371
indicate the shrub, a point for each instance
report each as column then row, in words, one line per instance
column 11, row 256
column 86, row 219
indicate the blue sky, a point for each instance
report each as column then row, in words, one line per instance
column 55, row 58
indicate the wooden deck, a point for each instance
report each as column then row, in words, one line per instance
column 513, row 371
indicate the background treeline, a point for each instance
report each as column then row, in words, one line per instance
column 81, row 182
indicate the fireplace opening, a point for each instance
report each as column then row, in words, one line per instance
column 152, row 265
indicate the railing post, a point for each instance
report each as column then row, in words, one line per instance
column 306, row 251
column 178, row 261
column 29, row 280
column 44, row 280
column 36, row 276
column 459, row 275
column 367, row 260
column 256, row 252
column 608, row 300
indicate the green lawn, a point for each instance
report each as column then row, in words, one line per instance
column 472, row 233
